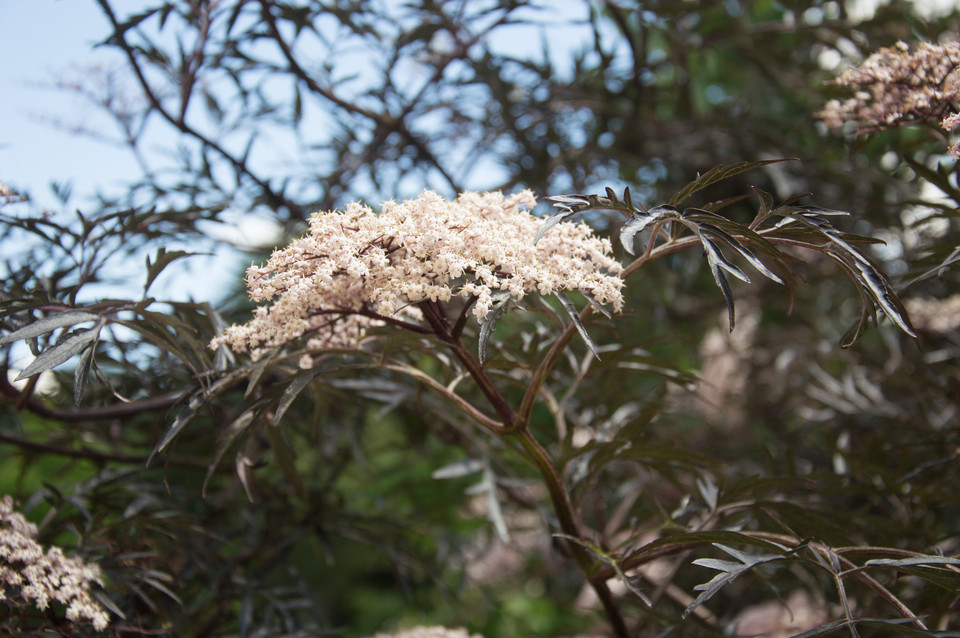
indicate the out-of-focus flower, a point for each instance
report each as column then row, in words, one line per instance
column 894, row 87
column 355, row 267
column 429, row 632
column 37, row 577
column 952, row 123
column 8, row 195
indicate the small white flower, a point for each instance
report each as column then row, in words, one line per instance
column 39, row 576
column 356, row 262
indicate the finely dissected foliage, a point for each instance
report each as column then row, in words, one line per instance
column 435, row 420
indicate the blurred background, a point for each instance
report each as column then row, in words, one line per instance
column 160, row 147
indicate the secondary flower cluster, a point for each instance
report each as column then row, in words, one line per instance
column 356, row 266
column 41, row 577
column 895, row 87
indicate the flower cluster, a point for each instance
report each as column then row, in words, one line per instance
column 44, row 576
column 895, row 87
column 355, row 268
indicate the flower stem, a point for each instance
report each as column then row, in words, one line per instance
column 570, row 526
column 517, row 427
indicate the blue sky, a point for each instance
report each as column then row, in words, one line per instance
column 40, row 41
column 43, row 41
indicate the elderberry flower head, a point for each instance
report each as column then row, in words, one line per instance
column 894, row 87
column 354, row 267
column 39, row 577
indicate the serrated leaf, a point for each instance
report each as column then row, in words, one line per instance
column 501, row 303
column 744, row 252
column 49, row 324
column 883, row 294
column 715, row 260
column 729, row 571
column 556, row 217
column 875, row 291
column 64, row 349
column 575, row 317
column 639, row 221
column 720, row 173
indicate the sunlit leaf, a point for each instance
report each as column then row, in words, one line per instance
column 639, row 221
column 717, row 264
column 745, row 252
column 501, row 303
column 566, row 205
column 729, row 571
column 49, row 324
column 63, row 350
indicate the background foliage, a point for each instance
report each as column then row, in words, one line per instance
column 157, row 458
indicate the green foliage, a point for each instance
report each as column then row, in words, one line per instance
column 683, row 472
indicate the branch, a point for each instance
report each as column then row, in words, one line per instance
column 453, row 397
column 79, row 415
column 275, row 198
column 386, row 123
column 497, row 401
column 92, row 455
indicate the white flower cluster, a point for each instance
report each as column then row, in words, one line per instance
column 44, row 576
column 355, row 266
column 895, row 87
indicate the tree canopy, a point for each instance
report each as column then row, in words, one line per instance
column 747, row 397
